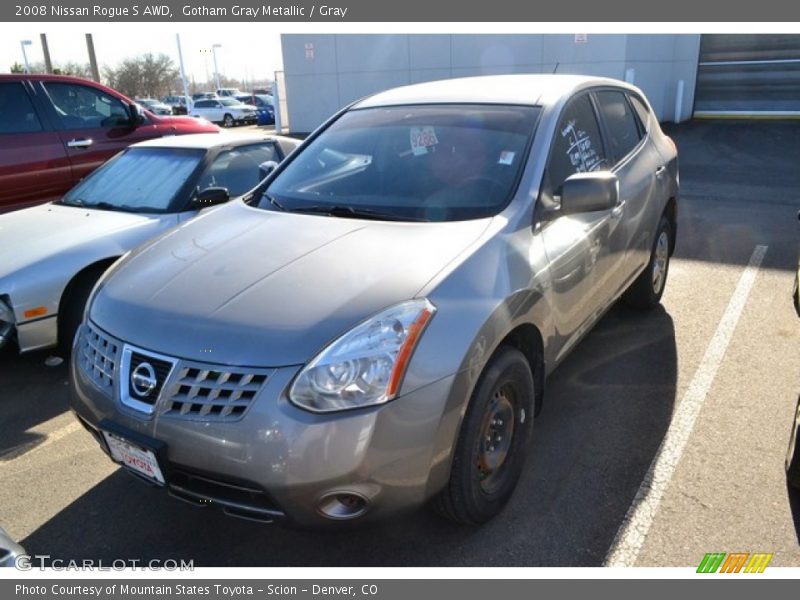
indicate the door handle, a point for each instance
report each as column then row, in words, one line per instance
column 80, row 143
column 660, row 171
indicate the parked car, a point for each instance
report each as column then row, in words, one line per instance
column 154, row 106
column 52, row 255
column 9, row 550
column 265, row 109
column 55, row 130
column 180, row 104
column 229, row 92
column 376, row 331
column 226, row 111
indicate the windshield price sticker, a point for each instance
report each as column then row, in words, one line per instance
column 422, row 138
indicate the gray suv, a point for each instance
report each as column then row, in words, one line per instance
column 371, row 328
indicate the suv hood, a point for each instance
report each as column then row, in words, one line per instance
column 251, row 287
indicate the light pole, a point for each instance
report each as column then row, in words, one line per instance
column 22, row 45
column 214, row 54
column 183, row 72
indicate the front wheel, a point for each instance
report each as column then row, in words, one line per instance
column 492, row 445
column 646, row 291
column 793, row 454
column 228, row 121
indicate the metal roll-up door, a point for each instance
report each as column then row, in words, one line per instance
column 748, row 75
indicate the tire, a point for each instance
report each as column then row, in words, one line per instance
column 646, row 290
column 479, row 485
column 73, row 303
column 227, row 121
column 793, row 454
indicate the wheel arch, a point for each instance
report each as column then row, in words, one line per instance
column 99, row 265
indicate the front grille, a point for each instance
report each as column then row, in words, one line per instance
column 98, row 356
column 212, row 393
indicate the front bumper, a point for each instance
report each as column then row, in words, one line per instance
column 280, row 462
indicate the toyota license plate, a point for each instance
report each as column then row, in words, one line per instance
column 134, row 457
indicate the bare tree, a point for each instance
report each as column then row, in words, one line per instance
column 73, row 68
column 145, row 75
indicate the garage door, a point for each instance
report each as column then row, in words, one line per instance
column 743, row 75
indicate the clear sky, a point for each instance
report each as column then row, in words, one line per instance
column 248, row 50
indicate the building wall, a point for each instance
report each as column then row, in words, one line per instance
column 326, row 72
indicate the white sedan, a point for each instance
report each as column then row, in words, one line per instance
column 227, row 111
column 51, row 255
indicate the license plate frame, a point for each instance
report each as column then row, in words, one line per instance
column 134, row 456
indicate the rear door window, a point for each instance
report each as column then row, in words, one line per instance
column 17, row 114
column 623, row 132
column 578, row 145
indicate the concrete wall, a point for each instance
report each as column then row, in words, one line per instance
column 326, row 72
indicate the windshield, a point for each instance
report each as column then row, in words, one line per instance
column 431, row 163
column 229, row 102
column 139, row 180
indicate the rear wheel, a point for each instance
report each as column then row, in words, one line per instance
column 228, row 121
column 646, row 291
column 494, row 437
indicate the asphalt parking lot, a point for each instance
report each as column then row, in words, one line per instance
column 609, row 409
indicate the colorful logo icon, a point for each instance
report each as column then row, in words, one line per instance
column 735, row 562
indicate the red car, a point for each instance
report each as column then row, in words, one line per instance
column 54, row 130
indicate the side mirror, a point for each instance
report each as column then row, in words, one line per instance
column 211, row 196
column 265, row 168
column 589, row 192
column 137, row 116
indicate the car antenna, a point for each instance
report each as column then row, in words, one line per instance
column 556, row 68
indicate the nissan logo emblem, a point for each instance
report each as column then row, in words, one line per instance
column 143, row 379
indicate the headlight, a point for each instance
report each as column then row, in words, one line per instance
column 365, row 366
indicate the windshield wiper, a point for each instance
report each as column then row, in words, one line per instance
column 350, row 212
column 72, row 202
column 274, row 202
column 118, row 207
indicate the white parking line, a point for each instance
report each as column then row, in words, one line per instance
column 632, row 533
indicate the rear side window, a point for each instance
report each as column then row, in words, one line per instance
column 623, row 133
column 202, row 104
column 17, row 114
column 642, row 111
column 577, row 147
